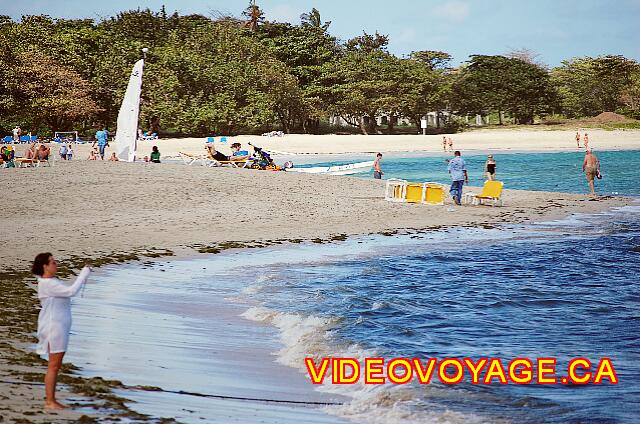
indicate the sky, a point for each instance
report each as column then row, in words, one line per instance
column 555, row 29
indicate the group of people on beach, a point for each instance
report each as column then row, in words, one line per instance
column 586, row 140
column 447, row 142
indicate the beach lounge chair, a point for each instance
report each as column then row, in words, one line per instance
column 189, row 159
column 434, row 194
column 395, row 190
column 491, row 192
column 414, row 192
column 7, row 139
column 240, row 163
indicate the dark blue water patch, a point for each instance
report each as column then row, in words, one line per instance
column 524, row 171
column 573, row 294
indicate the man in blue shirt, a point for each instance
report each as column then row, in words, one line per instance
column 102, row 138
column 458, row 171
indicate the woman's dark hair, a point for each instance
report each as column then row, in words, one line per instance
column 39, row 262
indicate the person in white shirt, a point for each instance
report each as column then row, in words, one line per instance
column 69, row 152
column 54, row 320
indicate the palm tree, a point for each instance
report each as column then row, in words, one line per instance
column 254, row 15
column 313, row 19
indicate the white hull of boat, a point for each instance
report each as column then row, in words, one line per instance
column 352, row 168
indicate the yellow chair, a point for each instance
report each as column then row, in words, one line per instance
column 492, row 191
column 414, row 193
column 434, row 194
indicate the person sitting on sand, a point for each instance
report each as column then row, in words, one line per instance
column 113, row 157
column 93, row 155
column 54, row 320
column 591, row 168
column 155, row 155
column 490, row 168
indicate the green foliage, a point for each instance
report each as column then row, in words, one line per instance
column 500, row 84
column 589, row 86
column 249, row 75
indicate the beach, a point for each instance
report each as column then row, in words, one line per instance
column 478, row 141
column 105, row 212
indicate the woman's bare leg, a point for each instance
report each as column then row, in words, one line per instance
column 50, row 380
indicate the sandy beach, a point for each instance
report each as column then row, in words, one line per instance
column 478, row 141
column 86, row 211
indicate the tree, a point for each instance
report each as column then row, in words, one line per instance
column 50, row 93
column 500, row 84
column 313, row 19
column 589, row 86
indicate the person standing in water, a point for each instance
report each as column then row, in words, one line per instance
column 377, row 170
column 591, row 168
column 490, row 168
column 54, row 320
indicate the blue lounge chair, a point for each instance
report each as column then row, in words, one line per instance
column 211, row 139
column 25, row 139
column 223, row 139
column 7, row 139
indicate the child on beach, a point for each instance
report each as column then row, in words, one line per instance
column 113, row 157
column 93, row 155
column 54, row 320
column 69, row 152
column 155, row 155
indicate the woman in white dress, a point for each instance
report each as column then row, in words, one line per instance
column 54, row 321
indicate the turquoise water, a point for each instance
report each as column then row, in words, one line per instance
column 525, row 171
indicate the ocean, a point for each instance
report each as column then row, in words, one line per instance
column 523, row 171
column 560, row 289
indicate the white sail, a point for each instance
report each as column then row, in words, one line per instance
column 127, row 131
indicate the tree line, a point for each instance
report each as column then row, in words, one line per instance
column 227, row 75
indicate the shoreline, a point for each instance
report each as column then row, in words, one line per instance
column 202, row 211
column 506, row 140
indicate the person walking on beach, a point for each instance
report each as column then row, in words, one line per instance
column 54, row 320
column 586, row 141
column 63, row 151
column 591, row 168
column 578, row 138
column 458, row 170
column 490, row 168
column 444, row 143
column 102, row 138
column 16, row 134
column 377, row 171
column 450, row 144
